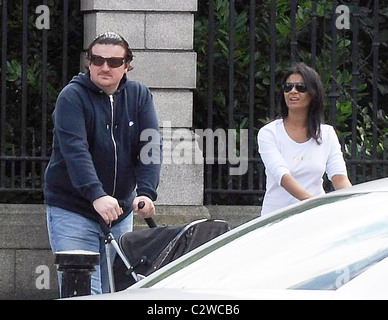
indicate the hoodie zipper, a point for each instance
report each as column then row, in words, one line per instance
column 114, row 143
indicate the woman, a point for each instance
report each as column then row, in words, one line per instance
column 297, row 149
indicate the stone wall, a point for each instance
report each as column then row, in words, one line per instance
column 25, row 253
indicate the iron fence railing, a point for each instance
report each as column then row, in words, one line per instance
column 34, row 66
column 27, row 93
column 320, row 35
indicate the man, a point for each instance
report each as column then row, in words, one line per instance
column 102, row 124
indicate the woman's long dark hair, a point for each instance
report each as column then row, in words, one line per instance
column 314, row 87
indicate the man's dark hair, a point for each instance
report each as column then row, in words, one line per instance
column 111, row 38
column 315, row 89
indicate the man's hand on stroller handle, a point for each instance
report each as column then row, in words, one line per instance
column 108, row 208
column 144, row 206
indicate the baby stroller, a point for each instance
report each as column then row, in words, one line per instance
column 141, row 252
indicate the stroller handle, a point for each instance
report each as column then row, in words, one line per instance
column 150, row 222
column 104, row 226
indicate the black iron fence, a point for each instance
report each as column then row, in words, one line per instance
column 243, row 48
column 40, row 46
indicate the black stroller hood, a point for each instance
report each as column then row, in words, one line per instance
column 150, row 249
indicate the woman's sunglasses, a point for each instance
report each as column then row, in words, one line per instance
column 113, row 62
column 287, row 87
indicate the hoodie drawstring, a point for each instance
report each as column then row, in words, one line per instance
column 114, row 142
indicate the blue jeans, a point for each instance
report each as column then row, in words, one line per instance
column 71, row 231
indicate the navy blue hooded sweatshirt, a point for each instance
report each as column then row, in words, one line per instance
column 103, row 145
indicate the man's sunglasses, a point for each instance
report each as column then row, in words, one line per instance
column 113, row 62
column 287, row 87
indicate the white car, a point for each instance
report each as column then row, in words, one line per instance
column 329, row 247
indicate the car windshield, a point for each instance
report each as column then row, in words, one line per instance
column 321, row 244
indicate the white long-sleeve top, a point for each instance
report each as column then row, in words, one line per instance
column 307, row 162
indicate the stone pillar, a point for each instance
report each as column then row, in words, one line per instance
column 161, row 36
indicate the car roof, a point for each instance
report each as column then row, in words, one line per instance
column 136, row 292
column 374, row 277
column 379, row 186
